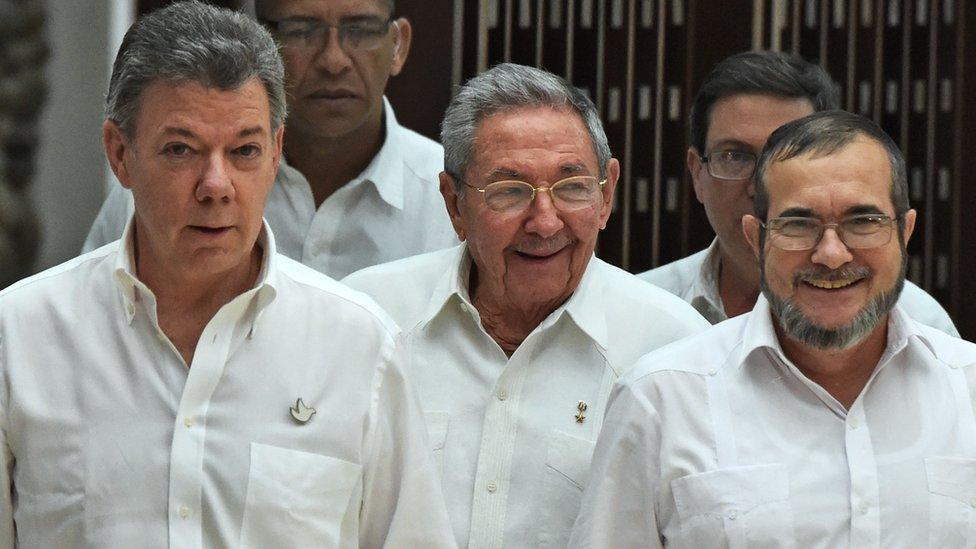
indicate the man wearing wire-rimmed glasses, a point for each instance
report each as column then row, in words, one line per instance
column 741, row 101
column 826, row 416
column 354, row 188
column 515, row 337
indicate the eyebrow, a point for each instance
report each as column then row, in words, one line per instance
column 853, row 210
column 183, row 132
column 515, row 174
column 732, row 144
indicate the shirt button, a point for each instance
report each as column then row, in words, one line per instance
column 188, row 421
column 492, row 487
column 853, row 424
column 712, row 372
column 184, row 511
column 733, row 514
column 501, row 394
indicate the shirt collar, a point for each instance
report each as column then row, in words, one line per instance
column 584, row 307
column 385, row 171
column 760, row 333
column 706, row 298
column 131, row 288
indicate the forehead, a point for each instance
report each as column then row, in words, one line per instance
column 533, row 141
column 744, row 121
column 326, row 10
column 856, row 177
column 165, row 106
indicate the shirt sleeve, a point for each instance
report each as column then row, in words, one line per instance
column 8, row 530
column 403, row 505
column 619, row 505
column 110, row 222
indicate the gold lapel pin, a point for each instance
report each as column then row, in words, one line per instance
column 581, row 406
column 301, row 412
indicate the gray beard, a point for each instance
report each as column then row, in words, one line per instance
column 803, row 329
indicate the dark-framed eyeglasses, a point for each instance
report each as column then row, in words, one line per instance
column 311, row 34
column 569, row 194
column 730, row 165
column 857, row 232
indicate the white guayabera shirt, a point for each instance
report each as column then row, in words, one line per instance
column 392, row 210
column 513, row 437
column 720, row 441
column 695, row 279
column 107, row 439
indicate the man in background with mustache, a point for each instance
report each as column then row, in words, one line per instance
column 826, row 416
column 516, row 336
column 354, row 187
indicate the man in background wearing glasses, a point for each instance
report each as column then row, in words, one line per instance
column 741, row 102
column 826, row 416
column 515, row 337
column 354, row 188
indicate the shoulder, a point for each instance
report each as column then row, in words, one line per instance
column 422, row 156
column 702, row 354
column 951, row 351
column 71, row 278
column 403, row 287
column 922, row 307
column 677, row 276
column 621, row 288
column 311, row 287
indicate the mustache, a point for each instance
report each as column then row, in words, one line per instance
column 543, row 246
column 830, row 275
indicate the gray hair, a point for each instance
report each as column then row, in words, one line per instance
column 508, row 87
column 193, row 42
column 822, row 134
column 760, row 72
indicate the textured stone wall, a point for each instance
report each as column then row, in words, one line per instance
column 23, row 53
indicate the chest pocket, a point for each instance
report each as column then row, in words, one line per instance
column 742, row 506
column 296, row 499
column 952, row 501
column 567, row 468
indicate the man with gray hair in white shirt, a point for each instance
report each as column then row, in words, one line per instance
column 825, row 417
column 516, row 337
column 187, row 386
column 354, row 188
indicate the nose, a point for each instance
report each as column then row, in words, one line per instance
column 215, row 182
column 331, row 57
column 543, row 217
column 831, row 251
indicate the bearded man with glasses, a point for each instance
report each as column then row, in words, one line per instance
column 516, row 336
column 826, row 416
column 354, row 188
column 741, row 102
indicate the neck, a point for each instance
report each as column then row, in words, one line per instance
column 328, row 163
column 507, row 320
column 738, row 287
column 841, row 372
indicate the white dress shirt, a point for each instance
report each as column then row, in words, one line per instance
column 695, row 279
column 720, row 441
column 394, row 209
column 107, row 439
column 512, row 453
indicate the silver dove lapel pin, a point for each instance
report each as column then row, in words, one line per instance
column 301, row 412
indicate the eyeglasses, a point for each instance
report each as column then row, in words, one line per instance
column 311, row 34
column 730, row 165
column 857, row 232
column 568, row 195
